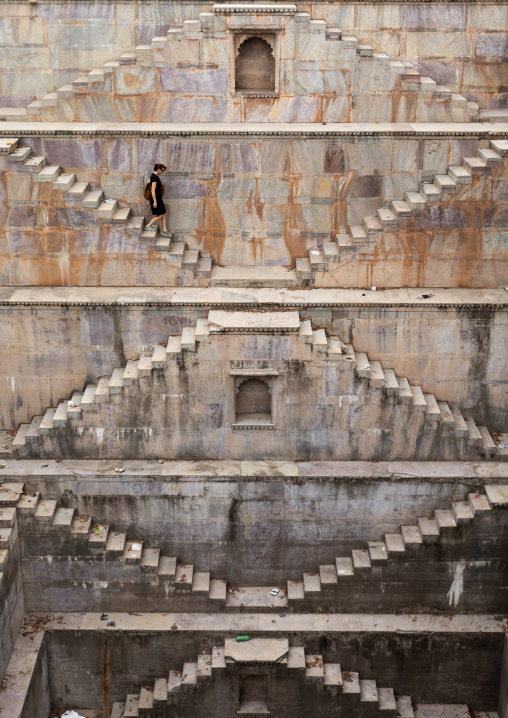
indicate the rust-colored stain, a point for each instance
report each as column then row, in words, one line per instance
column 255, row 208
column 132, row 81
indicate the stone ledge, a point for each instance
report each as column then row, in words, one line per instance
column 259, row 129
column 254, row 8
column 268, row 297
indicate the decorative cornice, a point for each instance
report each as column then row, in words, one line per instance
column 249, row 129
column 254, row 8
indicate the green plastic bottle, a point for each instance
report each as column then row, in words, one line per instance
column 240, row 639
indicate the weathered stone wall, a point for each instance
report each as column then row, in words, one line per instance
column 254, row 531
column 456, row 352
column 256, row 201
column 396, row 660
column 12, row 606
column 461, row 46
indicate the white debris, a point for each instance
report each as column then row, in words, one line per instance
column 72, row 714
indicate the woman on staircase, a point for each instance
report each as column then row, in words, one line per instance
column 155, row 188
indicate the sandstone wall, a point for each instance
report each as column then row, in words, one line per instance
column 11, row 600
column 456, row 353
column 461, row 46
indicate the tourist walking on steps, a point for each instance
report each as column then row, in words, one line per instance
column 155, row 189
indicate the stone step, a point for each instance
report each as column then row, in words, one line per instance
column 184, row 576
column 127, row 58
column 431, row 192
column 204, row 666
column 34, row 164
column 387, row 218
column 433, row 411
column 50, row 100
column 99, row 536
column 88, row 399
column 48, row 174
column 490, row 157
column 74, row 406
column 296, row 659
column 411, row 537
column 116, row 381
column 427, row 84
column 418, row 398
column 80, row 526
column 378, row 553
column 462, row 512
column 361, row 560
column 349, row 41
column 143, row 50
column 7, row 537
column 34, row 109
column 80, row 83
column 303, row 270
column 132, row 552
column 474, row 436
column 332, row 675
column 478, row 503
column 204, row 268
column 391, row 383
column 131, row 709
column 497, row 495
column 447, row 420
column 488, row 444
column 358, row 234
column 107, row 209
column 445, row 520
column 95, row 76
column 461, row 428
column 401, row 209
column 319, row 340
column 499, row 115
column 65, row 92
column 122, row 215
column 404, row 707
column 405, row 393
column 159, row 359
column 93, row 199
column 135, row 225
column 10, row 494
column 63, row 518
column 365, row 50
column 396, row 67
column 130, row 374
column 445, row 183
column 77, row 191
column 218, row 589
column 8, row 145
column 163, row 244
column 429, row 530
column 33, row 433
column 60, row 416
column 395, row 544
column 46, row 510
column 201, row 583
column 160, row 692
column 314, row 668
column 20, row 438
column 377, row 377
column 115, row 545
column 362, row 365
column 317, row 260
column 190, row 259
column 46, row 424
column 159, row 43
column 188, row 339
column 500, row 146
column 327, row 576
column 8, row 516
column 190, row 675
column 350, row 683
column 415, row 200
column 458, row 100
column 305, row 331
column 442, row 92
column 167, row 567
column 368, row 692
column 19, row 155
column 64, row 182
column 334, row 350
column 295, row 590
column 475, row 165
column 149, row 234
column 372, row 225
column 118, row 710
column 344, row 567
column 176, row 250
column 460, row 175
column 102, row 391
column 174, row 346
column 150, row 558
column 144, row 367
column 311, row 583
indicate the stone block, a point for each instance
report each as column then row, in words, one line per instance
column 492, row 43
column 427, row 17
column 202, row 82
column 75, row 154
column 437, row 44
column 135, row 80
column 190, row 156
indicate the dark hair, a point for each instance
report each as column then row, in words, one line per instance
column 159, row 167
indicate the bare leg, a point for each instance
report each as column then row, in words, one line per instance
column 155, row 219
column 164, row 222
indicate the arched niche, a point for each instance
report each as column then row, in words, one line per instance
column 253, row 402
column 255, row 64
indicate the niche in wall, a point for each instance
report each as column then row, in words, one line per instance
column 253, row 695
column 255, row 63
column 253, row 402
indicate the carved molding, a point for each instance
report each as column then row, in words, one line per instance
column 254, row 8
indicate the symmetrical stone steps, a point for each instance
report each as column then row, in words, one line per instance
column 108, row 211
column 392, row 217
column 461, row 110
column 310, row 667
column 398, row 545
column 447, row 420
column 101, row 538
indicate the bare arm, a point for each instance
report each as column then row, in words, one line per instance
column 154, row 187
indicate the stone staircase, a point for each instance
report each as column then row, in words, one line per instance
column 359, row 696
column 101, row 542
column 399, row 213
column 398, row 545
column 108, row 211
column 438, row 415
column 64, row 104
